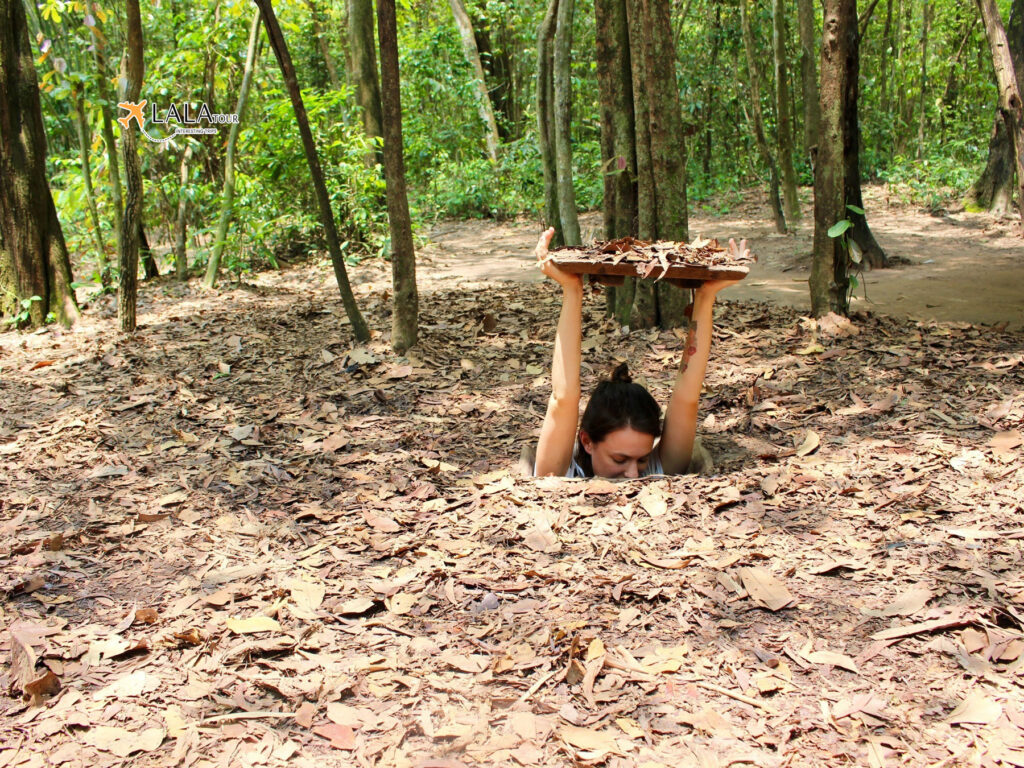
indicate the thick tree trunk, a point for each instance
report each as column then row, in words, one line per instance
column 363, row 68
column 993, row 191
column 860, row 233
column 545, row 120
column 181, row 225
column 784, row 136
column 1010, row 104
column 323, row 200
column 132, row 71
column 828, row 281
column 562, row 118
column 228, row 197
column 758, row 120
column 405, row 313
column 808, row 76
column 35, row 258
column 84, row 144
column 472, row 55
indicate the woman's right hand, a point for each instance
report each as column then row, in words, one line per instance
column 549, row 268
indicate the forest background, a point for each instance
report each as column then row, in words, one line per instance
column 927, row 101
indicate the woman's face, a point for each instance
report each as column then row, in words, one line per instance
column 623, row 453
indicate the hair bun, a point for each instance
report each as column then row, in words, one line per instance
column 621, row 374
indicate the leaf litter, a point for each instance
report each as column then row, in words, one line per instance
column 237, row 538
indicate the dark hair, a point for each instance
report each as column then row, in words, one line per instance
column 614, row 404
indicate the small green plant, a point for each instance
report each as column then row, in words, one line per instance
column 26, row 312
column 854, row 255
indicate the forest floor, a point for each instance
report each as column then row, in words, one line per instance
column 233, row 538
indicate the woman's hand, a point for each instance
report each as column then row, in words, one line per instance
column 563, row 278
column 711, row 288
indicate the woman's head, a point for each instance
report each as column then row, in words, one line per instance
column 618, row 428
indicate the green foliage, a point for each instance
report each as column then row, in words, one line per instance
column 22, row 317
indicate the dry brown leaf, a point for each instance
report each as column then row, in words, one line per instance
column 588, row 738
column 472, row 663
column 765, row 589
column 832, row 658
column 252, row 625
column 810, row 443
column 340, row 736
column 976, row 708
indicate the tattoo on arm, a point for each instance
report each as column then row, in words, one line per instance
column 691, row 345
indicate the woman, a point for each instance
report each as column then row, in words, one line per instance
column 620, row 425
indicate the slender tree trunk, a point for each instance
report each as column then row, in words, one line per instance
column 562, row 118
column 277, row 42
column 84, row 143
column 472, row 55
column 828, row 281
column 321, row 44
column 993, row 191
column 1010, row 105
column 34, row 259
column 211, row 142
column 883, row 64
column 784, row 136
column 363, row 69
column 925, row 13
column 710, row 91
column 404, row 325
column 228, row 196
column 808, row 76
column 132, row 71
column 545, row 120
column 146, row 255
column 106, row 100
column 181, row 226
column 758, row 120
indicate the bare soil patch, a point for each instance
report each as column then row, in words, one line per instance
column 235, row 539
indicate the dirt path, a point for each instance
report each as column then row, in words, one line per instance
column 962, row 267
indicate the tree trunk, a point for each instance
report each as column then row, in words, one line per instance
column 146, row 255
column 321, row 44
column 84, row 144
column 993, row 191
column 284, row 59
column 181, row 226
column 710, row 91
column 924, row 77
column 103, row 87
column 228, row 198
column 472, row 55
column 1010, row 105
column 784, row 136
column 860, row 233
column 363, row 69
column 132, row 71
column 211, row 142
column 883, row 65
column 35, row 257
column 758, row 121
column 545, row 120
column 808, row 76
column 404, row 323
column 828, row 281
column 562, row 118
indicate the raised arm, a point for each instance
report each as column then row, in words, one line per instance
column 680, row 429
column 558, row 433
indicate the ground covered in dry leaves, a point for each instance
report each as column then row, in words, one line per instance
column 234, row 539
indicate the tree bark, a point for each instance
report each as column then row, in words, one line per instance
column 758, row 121
column 860, row 233
column 132, row 71
column 993, row 191
column 562, row 118
column 1010, row 105
column 828, row 281
column 321, row 44
column 363, row 69
column 181, row 225
column 228, row 198
column 808, row 77
column 710, row 91
column 545, row 120
column 284, row 60
column 784, row 136
column 404, row 316
column 472, row 54
column 924, row 77
column 35, row 256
